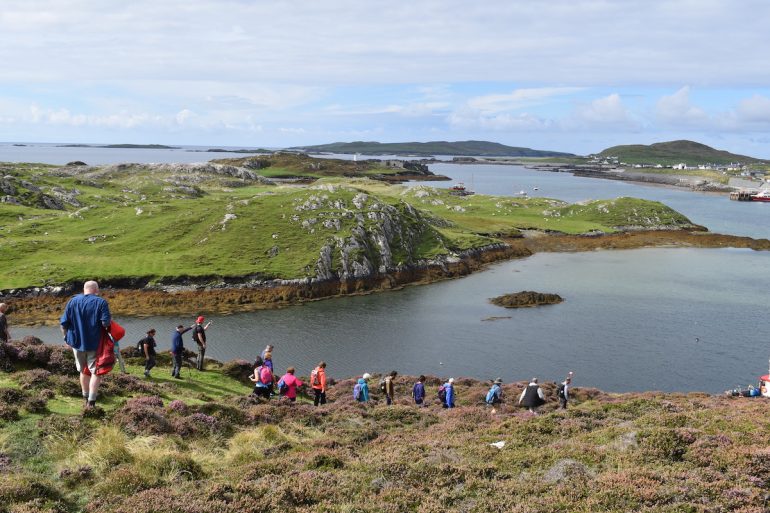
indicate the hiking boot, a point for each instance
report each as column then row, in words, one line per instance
column 90, row 404
column 178, row 377
column 146, row 374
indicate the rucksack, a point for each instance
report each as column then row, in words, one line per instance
column 314, row 379
column 357, row 392
column 491, row 397
column 561, row 391
column 283, row 388
column 140, row 346
column 442, row 394
column 383, row 387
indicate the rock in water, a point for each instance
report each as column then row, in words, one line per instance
column 526, row 298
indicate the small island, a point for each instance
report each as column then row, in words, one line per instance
column 525, row 299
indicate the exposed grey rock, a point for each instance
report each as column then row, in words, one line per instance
column 568, row 470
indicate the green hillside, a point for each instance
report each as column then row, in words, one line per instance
column 674, row 152
column 427, row 149
column 203, row 445
column 160, row 221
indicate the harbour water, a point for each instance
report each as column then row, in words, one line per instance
column 669, row 319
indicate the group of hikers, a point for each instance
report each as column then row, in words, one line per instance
column 87, row 327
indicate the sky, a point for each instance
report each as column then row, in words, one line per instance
column 564, row 75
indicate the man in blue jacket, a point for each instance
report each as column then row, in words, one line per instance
column 177, row 350
column 82, row 322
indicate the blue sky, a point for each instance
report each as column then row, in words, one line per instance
column 568, row 75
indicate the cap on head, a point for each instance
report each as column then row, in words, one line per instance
column 534, row 380
column 200, row 319
column 499, row 381
column 366, row 375
column 451, row 380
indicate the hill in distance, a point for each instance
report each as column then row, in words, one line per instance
column 427, row 149
column 674, row 152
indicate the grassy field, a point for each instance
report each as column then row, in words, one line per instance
column 201, row 445
column 162, row 222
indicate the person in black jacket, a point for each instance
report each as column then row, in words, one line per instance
column 148, row 345
column 199, row 337
column 532, row 396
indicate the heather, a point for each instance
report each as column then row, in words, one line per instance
column 202, row 444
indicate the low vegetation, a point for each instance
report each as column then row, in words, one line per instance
column 202, row 445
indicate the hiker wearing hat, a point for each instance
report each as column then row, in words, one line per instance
column 199, row 336
column 495, row 394
column 361, row 388
column 532, row 396
column 418, row 391
column 446, row 394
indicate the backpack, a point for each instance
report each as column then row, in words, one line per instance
column 105, row 353
column 265, row 376
column 383, row 387
column 442, row 394
column 491, row 397
column 283, row 388
column 357, row 392
column 561, row 391
column 314, row 378
column 140, row 346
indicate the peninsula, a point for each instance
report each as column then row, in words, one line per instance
column 234, row 235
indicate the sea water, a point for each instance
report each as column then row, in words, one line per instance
column 673, row 319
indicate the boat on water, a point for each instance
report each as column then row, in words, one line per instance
column 761, row 390
column 750, row 195
column 459, row 189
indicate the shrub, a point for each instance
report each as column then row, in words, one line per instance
column 238, row 369
column 61, row 361
column 125, row 480
column 178, row 406
column 8, row 412
column 666, row 444
column 12, row 396
column 34, row 379
column 143, row 416
column 24, row 487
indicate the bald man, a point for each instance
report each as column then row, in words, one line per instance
column 82, row 322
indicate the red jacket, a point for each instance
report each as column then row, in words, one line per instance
column 105, row 353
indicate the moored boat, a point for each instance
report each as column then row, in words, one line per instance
column 763, row 195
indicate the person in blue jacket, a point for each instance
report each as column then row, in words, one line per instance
column 85, row 317
column 363, row 388
column 449, row 388
column 418, row 391
column 177, row 350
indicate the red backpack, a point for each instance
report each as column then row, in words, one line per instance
column 105, row 352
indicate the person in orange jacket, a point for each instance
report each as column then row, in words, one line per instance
column 318, row 382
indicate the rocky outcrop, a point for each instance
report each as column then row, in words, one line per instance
column 526, row 298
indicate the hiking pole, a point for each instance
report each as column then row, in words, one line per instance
column 116, row 348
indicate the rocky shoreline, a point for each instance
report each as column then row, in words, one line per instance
column 217, row 295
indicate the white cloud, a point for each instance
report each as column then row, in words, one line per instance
column 677, row 110
column 603, row 113
column 755, row 109
column 516, row 100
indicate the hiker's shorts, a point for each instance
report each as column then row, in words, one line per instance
column 85, row 359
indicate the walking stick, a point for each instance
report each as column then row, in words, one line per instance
column 116, row 348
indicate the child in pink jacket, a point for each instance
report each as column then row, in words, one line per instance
column 289, row 384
